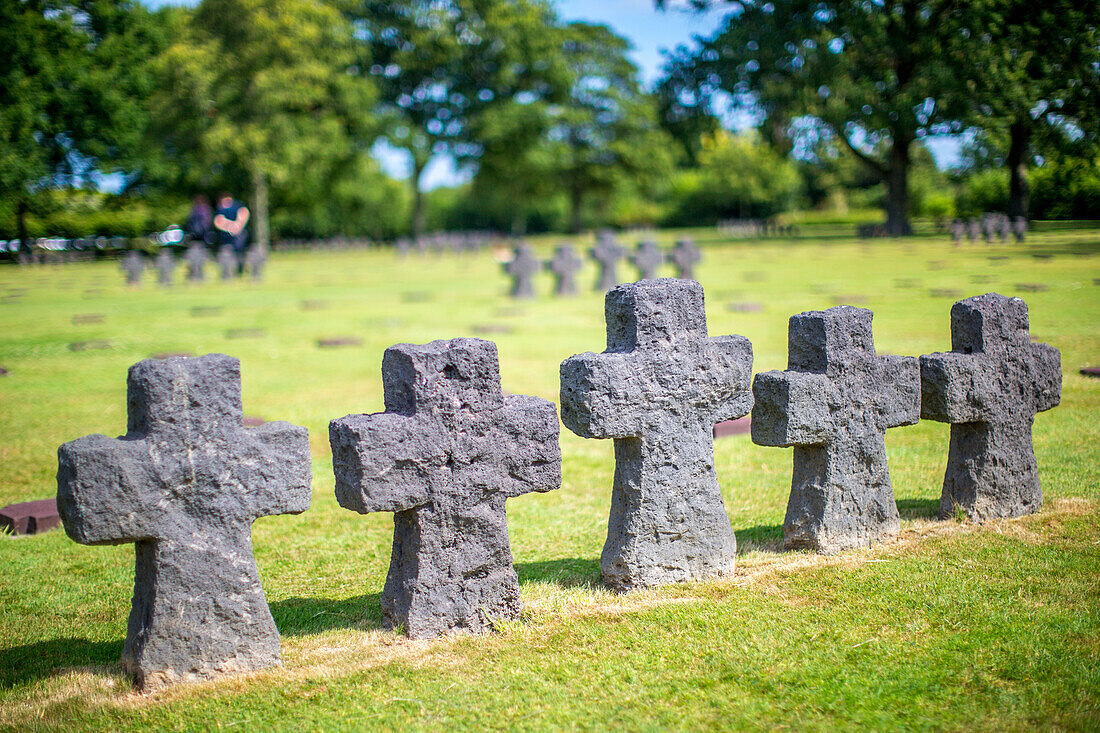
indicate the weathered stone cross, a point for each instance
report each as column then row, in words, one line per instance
column 255, row 259
column 444, row 456
column 133, row 265
column 227, row 261
column 646, row 258
column 166, row 265
column 196, row 261
column 607, row 254
column 989, row 387
column 565, row 265
column 522, row 268
column 833, row 404
column 658, row 391
column 185, row 484
column 685, row 255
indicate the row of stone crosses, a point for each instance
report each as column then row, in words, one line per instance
column 607, row 253
column 187, row 480
column 230, row 264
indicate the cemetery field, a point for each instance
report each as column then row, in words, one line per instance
column 955, row 625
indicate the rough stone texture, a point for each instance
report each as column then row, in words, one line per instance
column 565, row 265
column 227, row 262
column 989, row 387
column 685, row 255
column 607, row 254
column 133, row 264
column 30, row 517
column 444, row 456
column 833, row 404
column 185, row 484
column 522, row 268
column 166, row 266
column 646, row 258
column 196, row 258
column 658, row 390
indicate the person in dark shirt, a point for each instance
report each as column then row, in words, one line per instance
column 200, row 221
column 230, row 221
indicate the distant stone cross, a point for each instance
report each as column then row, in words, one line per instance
column 166, row 265
column 522, row 268
column 196, row 262
column 185, row 484
column 565, row 265
column 133, row 265
column 646, row 258
column 444, row 456
column 685, row 255
column 255, row 260
column 989, row 387
column 607, row 254
column 657, row 391
column 228, row 262
column 834, row 404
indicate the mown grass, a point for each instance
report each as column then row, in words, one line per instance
column 956, row 626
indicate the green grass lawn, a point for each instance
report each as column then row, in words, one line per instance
column 954, row 626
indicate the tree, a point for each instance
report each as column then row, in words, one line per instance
column 868, row 74
column 265, row 89
column 440, row 63
column 1028, row 71
column 71, row 90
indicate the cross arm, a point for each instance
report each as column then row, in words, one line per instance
column 1047, row 378
column 599, row 399
column 730, row 360
column 279, row 473
column 792, row 408
column 104, row 490
column 385, row 462
column 954, row 387
column 530, row 453
column 900, row 399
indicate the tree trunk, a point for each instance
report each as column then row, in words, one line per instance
column 1018, row 194
column 576, row 203
column 897, row 190
column 261, row 238
column 519, row 222
column 417, row 227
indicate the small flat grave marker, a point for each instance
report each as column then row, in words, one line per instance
column 997, row 259
column 4, row 371
column 417, row 296
column 982, row 279
column 754, row 276
column 906, row 283
column 1042, row 256
column 245, row 333
column 936, row 265
column 171, row 354
column 205, row 311
column 849, row 299
column 314, row 304
column 1032, row 287
column 729, row 428
column 1090, row 371
column 341, row 341
column 944, row 293
column 491, row 328
column 745, row 307
column 251, row 421
column 30, row 517
column 87, row 318
column 94, row 344
column 92, row 294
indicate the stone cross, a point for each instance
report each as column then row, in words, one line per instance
column 973, row 230
column 522, row 268
column 166, row 265
column 957, row 227
column 834, row 404
column 255, row 260
column 185, row 484
column 227, row 261
column 1019, row 228
column 657, row 391
column 989, row 387
column 133, row 264
column 565, row 265
column 196, row 262
column 685, row 255
column 607, row 254
column 646, row 258
column 444, row 456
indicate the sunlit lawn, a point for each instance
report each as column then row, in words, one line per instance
column 955, row 626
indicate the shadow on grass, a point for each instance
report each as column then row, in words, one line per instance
column 761, row 538
column 47, row 658
column 919, row 508
column 568, row 572
column 303, row 616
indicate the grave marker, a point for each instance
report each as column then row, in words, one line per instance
column 685, row 255
column 833, row 405
column 166, row 266
column 565, row 265
column 522, row 268
column 227, row 262
column 185, row 484
column 647, row 256
column 607, row 254
column 196, row 258
column 658, row 391
column 30, row 517
column 989, row 387
column 444, row 456
column 133, row 264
